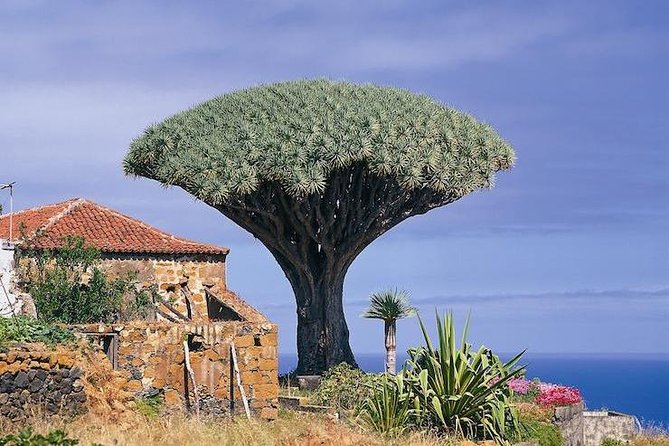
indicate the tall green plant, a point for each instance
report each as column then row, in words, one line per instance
column 460, row 389
column 388, row 409
column 453, row 388
column 389, row 306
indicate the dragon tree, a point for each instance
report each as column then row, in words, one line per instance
column 317, row 170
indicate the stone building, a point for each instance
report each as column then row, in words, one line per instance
column 190, row 275
column 197, row 314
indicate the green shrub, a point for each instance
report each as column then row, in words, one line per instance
column 67, row 286
column 25, row 329
column 546, row 434
column 29, row 438
column 454, row 389
column 344, row 387
column 388, row 409
column 149, row 406
column 611, row 442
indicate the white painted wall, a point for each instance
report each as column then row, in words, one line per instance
column 7, row 299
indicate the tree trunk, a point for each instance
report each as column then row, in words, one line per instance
column 315, row 238
column 391, row 347
column 322, row 333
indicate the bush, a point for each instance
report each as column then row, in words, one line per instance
column 546, row 434
column 344, row 387
column 67, row 286
column 388, row 409
column 544, row 394
column 525, row 390
column 24, row 329
column 551, row 395
column 612, row 442
column 28, row 438
column 150, row 406
column 453, row 389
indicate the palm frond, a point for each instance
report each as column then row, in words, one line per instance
column 389, row 305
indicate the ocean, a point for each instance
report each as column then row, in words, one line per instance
column 636, row 384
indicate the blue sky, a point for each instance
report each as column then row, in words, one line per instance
column 568, row 253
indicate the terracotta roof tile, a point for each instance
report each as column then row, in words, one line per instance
column 101, row 227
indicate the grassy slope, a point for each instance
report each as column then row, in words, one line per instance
column 290, row 429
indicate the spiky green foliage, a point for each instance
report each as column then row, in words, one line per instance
column 389, row 305
column 461, row 389
column 451, row 388
column 297, row 133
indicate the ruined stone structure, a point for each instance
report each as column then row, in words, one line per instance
column 152, row 357
column 196, row 306
column 34, row 382
column 588, row 428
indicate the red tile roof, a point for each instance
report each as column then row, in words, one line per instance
column 101, row 227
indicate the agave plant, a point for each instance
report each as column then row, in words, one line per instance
column 388, row 409
column 389, row 306
column 448, row 387
column 462, row 390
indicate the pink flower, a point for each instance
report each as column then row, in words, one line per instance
column 557, row 395
column 520, row 385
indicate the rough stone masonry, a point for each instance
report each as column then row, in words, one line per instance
column 151, row 354
column 40, row 382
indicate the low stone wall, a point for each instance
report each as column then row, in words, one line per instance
column 152, row 356
column 588, row 428
column 40, row 382
column 570, row 421
column 598, row 425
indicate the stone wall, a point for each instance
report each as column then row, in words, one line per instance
column 588, row 428
column 570, row 421
column 152, row 356
column 172, row 275
column 36, row 382
column 598, row 425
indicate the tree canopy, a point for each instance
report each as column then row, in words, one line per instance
column 296, row 133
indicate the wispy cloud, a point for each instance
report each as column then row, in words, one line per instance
column 658, row 295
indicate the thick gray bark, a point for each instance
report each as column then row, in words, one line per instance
column 316, row 238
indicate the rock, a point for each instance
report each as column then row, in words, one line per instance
column 79, row 397
column 35, row 385
column 24, row 396
column 21, row 380
column 6, row 383
column 308, row 382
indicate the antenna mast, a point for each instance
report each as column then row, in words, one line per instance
column 10, row 186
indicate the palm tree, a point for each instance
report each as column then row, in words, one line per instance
column 390, row 305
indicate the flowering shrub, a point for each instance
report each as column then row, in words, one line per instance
column 557, row 395
column 544, row 394
column 520, row 386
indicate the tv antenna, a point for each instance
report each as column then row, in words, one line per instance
column 10, row 186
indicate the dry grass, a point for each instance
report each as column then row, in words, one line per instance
column 645, row 440
column 534, row 412
column 291, row 429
